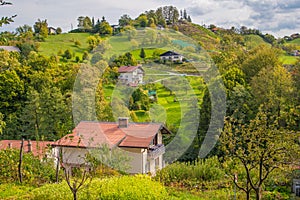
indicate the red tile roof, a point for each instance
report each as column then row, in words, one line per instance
column 38, row 148
column 125, row 69
column 94, row 134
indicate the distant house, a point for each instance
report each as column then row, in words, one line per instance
column 160, row 27
column 38, row 148
column 294, row 53
column 10, row 48
column 142, row 142
column 171, row 56
column 51, row 31
column 131, row 75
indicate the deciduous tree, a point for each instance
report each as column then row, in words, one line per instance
column 260, row 148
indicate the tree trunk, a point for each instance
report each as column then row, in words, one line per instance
column 248, row 195
column 57, row 168
column 20, row 161
column 74, row 194
column 258, row 193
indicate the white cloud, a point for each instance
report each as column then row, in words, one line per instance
column 266, row 15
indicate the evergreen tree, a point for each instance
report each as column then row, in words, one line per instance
column 143, row 54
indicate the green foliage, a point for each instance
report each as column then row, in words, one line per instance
column 96, row 58
column 260, row 148
column 104, row 28
column 93, row 41
column 58, row 30
column 41, row 28
column 6, row 20
column 125, row 60
column 13, row 191
column 123, row 188
column 67, row 54
column 34, row 171
column 2, row 123
column 191, row 175
column 142, row 53
column 132, row 187
column 140, row 100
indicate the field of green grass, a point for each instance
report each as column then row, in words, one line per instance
column 295, row 42
column 288, row 60
column 149, row 53
column 253, row 41
column 60, row 43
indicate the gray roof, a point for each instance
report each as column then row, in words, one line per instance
column 170, row 53
column 10, row 48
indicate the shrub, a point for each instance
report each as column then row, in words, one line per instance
column 191, row 175
column 34, row 171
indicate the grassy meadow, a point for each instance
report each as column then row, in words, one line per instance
column 55, row 44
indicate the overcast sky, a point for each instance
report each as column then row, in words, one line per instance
column 278, row 17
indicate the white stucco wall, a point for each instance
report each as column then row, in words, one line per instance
column 73, row 155
column 138, row 159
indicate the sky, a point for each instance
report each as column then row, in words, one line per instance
column 277, row 17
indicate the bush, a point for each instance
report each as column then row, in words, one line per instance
column 192, row 175
column 34, row 171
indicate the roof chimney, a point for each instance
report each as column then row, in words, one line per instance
column 29, row 146
column 123, row 122
column 10, row 145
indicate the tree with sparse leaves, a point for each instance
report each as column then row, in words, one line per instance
column 260, row 148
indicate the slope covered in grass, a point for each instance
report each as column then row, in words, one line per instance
column 54, row 44
column 252, row 41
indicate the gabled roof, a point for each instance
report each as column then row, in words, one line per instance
column 94, row 134
column 125, row 69
column 38, row 148
column 10, row 48
column 170, row 53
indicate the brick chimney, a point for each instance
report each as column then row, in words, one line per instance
column 29, row 146
column 10, row 145
column 123, row 122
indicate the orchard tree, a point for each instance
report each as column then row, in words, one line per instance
column 261, row 148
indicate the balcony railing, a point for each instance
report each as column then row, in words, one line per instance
column 156, row 151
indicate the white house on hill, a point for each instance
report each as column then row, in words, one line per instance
column 142, row 142
column 171, row 56
column 131, row 75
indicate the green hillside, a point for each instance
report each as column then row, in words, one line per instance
column 252, row 41
column 59, row 43
column 295, row 42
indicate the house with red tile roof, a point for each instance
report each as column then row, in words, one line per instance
column 142, row 142
column 38, row 148
column 131, row 75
